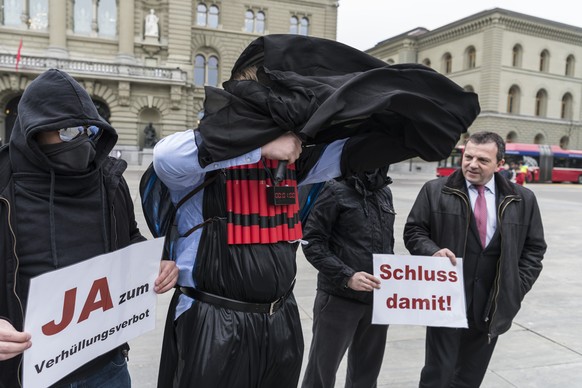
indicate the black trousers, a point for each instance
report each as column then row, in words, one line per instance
column 455, row 357
column 339, row 324
column 209, row 346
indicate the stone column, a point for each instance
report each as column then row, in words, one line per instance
column 126, row 31
column 57, row 30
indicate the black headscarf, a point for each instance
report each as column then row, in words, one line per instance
column 323, row 90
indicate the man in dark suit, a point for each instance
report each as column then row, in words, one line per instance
column 496, row 227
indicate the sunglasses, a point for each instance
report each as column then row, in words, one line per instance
column 68, row 134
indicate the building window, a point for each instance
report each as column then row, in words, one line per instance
column 205, row 70
column 107, row 18
column 293, row 25
column 83, row 17
column 511, row 137
column 544, row 61
column 12, row 12
column 104, row 23
column 516, row 56
column 201, row 12
column 471, row 58
column 255, row 23
column 249, row 21
column 564, row 142
column 213, row 17
column 426, row 62
column 38, row 14
column 304, row 27
column 199, row 70
column 212, row 71
column 469, row 88
column 260, row 24
column 570, row 62
column 447, row 63
column 566, row 109
column 541, row 103
column 207, row 16
column 539, row 139
column 513, row 98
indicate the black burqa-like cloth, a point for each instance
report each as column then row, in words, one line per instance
column 323, row 90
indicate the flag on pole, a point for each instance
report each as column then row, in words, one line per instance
column 18, row 54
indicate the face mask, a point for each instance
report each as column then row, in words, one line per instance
column 75, row 155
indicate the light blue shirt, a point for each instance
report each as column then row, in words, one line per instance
column 491, row 208
column 176, row 164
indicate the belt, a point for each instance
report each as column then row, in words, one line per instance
column 231, row 304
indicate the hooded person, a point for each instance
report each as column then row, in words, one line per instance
column 351, row 220
column 62, row 200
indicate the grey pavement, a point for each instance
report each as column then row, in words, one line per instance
column 543, row 349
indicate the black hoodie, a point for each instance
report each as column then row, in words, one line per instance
column 51, row 217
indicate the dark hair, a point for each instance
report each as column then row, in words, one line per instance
column 489, row 137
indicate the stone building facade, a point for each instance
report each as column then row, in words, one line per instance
column 527, row 71
column 142, row 61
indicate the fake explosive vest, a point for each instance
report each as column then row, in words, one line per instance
column 258, row 210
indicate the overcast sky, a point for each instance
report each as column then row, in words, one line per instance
column 363, row 23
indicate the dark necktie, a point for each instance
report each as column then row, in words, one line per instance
column 481, row 214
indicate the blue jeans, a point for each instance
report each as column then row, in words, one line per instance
column 113, row 375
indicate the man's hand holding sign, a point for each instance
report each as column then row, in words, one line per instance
column 418, row 290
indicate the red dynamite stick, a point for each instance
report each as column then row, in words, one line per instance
column 229, row 209
column 254, row 198
column 237, row 205
column 246, row 230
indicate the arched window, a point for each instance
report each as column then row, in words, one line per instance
column 304, row 26
column 212, row 71
column 213, row 17
column 566, row 109
column 83, row 17
column 103, row 110
column 38, row 14
column 426, row 62
column 293, row 25
column 511, row 137
column 513, row 97
column 516, row 56
column 470, row 58
column 544, row 60
column 199, row 70
column 539, row 139
column 255, row 23
column 107, row 18
column 390, row 61
column 564, row 142
column 541, row 103
column 201, row 14
column 469, row 88
column 249, row 21
column 260, row 23
column 570, row 62
column 447, row 63
column 206, row 70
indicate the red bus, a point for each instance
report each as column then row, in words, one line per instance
column 545, row 163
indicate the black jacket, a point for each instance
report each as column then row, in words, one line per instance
column 54, row 100
column 440, row 218
column 342, row 232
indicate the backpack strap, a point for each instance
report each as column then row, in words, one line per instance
column 196, row 189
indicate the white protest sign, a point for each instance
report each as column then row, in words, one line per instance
column 419, row 290
column 77, row 313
